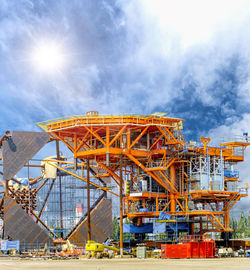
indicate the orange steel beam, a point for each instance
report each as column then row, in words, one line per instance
column 132, row 196
column 163, row 168
column 161, row 151
column 209, row 192
column 83, row 179
column 138, row 138
column 165, row 135
column 226, row 219
column 180, row 205
column 237, row 199
column 152, row 146
column 228, row 203
column 163, row 160
column 193, row 184
column 117, row 135
column 212, row 214
column 82, row 164
column 193, row 213
column 215, row 225
column 144, row 168
column 114, row 175
column 96, row 135
column 128, row 137
column 114, row 151
column 169, row 182
column 93, row 176
column 180, row 134
column 166, row 206
column 170, row 134
column 107, row 135
column 62, row 139
column 75, row 141
column 82, row 142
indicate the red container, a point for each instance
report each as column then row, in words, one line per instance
column 195, row 249
column 203, row 249
column 175, row 251
column 207, row 249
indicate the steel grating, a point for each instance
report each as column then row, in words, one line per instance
column 20, row 226
column 19, row 149
column 101, row 225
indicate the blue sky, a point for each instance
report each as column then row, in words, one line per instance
column 190, row 61
column 187, row 58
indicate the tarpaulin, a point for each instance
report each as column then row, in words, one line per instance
column 145, row 228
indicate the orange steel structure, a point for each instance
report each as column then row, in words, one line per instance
column 158, row 169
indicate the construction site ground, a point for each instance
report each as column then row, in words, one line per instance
column 125, row 264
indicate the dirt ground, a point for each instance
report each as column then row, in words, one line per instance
column 126, row 264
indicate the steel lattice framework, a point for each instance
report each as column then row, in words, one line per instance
column 145, row 156
column 158, row 170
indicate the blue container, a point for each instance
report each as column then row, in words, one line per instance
column 8, row 245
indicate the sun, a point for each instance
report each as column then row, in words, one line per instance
column 48, row 57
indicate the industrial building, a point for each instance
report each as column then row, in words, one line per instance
column 165, row 186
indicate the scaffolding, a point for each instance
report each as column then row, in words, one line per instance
column 74, row 205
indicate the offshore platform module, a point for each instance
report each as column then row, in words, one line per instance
column 162, row 176
column 167, row 185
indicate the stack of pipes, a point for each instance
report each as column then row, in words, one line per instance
column 24, row 196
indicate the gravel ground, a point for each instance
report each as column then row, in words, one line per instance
column 126, row 264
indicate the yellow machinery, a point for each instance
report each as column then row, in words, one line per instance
column 97, row 250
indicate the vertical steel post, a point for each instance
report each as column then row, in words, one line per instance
column 121, row 209
column 201, row 225
column 222, row 170
column 3, row 227
column 60, row 189
column 172, row 196
column 208, row 171
column 5, row 196
column 88, row 199
column 29, row 184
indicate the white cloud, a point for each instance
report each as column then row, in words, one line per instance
column 163, row 47
column 200, row 36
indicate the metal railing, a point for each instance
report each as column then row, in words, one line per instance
column 236, row 138
column 103, row 117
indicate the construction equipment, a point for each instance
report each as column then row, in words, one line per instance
column 69, row 249
column 225, row 252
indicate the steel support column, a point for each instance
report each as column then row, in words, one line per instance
column 60, row 189
column 88, row 201
column 172, row 197
column 121, row 209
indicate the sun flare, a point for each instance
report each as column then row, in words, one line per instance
column 48, row 57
